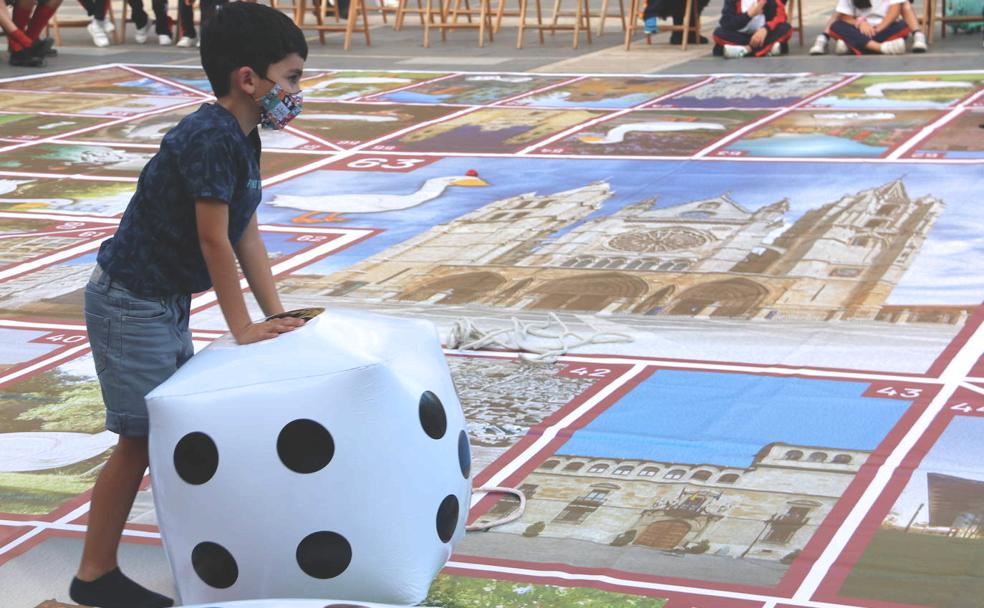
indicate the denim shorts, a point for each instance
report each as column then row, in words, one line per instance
column 137, row 343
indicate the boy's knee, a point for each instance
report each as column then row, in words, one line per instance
column 782, row 29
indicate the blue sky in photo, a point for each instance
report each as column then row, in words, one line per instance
column 941, row 274
column 725, row 419
column 957, row 453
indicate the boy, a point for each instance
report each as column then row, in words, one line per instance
column 919, row 43
column 192, row 215
column 755, row 27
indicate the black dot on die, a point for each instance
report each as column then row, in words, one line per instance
column 304, row 446
column 432, row 416
column 214, row 565
column 324, row 554
column 196, row 458
column 447, row 518
column 464, row 454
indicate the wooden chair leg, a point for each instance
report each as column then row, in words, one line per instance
column 522, row 24
column 350, row 25
column 321, row 14
column 555, row 16
column 365, row 22
column 621, row 13
column 630, row 26
column 482, row 14
column 799, row 17
column 602, row 17
column 539, row 20
column 586, row 15
column 686, row 24
column 427, row 22
column 577, row 21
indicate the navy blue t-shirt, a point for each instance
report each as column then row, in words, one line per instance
column 155, row 251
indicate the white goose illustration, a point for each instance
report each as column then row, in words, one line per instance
column 334, row 204
column 617, row 135
column 42, row 451
column 878, row 90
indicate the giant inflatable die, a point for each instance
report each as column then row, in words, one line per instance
column 330, row 462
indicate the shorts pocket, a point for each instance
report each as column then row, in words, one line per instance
column 147, row 309
column 98, row 330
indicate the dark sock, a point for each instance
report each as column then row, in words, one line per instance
column 115, row 590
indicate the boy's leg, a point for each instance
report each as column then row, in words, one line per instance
column 724, row 38
column 155, row 332
column 112, row 499
column 782, row 33
column 22, row 13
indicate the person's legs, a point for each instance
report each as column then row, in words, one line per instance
column 890, row 41
column 112, row 499
column 678, row 9
column 41, row 17
column 781, row 34
column 23, row 51
column 138, row 13
column 724, row 38
column 186, row 14
column 22, row 13
column 820, row 44
column 161, row 19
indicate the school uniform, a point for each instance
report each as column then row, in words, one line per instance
column 852, row 36
column 737, row 27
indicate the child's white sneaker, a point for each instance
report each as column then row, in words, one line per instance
column 819, row 45
column 186, row 42
column 164, row 40
column 99, row 37
column 106, row 25
column 776, row 50
column 734, row 51
column 143, row 33
column 919, row 43
column 841, row 48
column 893, row 47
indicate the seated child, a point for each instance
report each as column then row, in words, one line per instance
column 871, row 26
column 919, row 44
column 755, row 27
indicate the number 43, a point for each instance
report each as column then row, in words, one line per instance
column 904, row 393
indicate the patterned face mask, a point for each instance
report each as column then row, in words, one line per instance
column 278, row 107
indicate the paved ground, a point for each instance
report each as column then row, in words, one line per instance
column 404, row 50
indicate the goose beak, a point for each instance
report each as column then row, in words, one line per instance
column 470, row 181
column 590, row 139
column 24, row 206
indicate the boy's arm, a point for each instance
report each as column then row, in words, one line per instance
column 253, row 258
column 212, row 217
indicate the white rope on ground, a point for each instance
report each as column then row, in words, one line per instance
column 505, row 520
column 466, row 335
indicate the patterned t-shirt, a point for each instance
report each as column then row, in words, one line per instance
column 155, row 251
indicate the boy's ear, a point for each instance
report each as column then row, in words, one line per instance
column 244, row 79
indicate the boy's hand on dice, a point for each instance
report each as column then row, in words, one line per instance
column 257, row 332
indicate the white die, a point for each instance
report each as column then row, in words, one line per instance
column 330, row 462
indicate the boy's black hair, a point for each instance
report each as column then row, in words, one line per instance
column 861, row 4
column 247, row 34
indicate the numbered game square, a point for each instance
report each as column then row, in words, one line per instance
column 496, row 130
column 831, row 134
column 738, row 474
column 924, row 547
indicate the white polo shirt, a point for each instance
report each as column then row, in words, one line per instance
column 873, row 15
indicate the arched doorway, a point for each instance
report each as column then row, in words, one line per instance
column 460, row 288
column 664, row 534
column 588, row 293
column 732, row 298
column 654, row 304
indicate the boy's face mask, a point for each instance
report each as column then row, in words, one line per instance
column 278, row 107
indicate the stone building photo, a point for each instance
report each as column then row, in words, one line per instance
column 675, row 499
column 712, row 257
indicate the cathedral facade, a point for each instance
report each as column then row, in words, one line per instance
column 704, row 258
column 769, row 510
